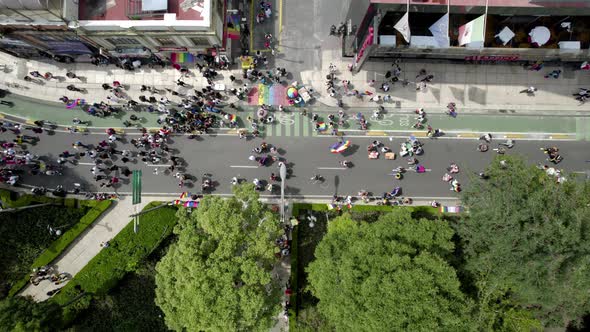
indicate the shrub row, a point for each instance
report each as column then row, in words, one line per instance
column 111, row 264
column 11, row 199
column 59, row 245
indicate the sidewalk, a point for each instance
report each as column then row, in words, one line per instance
column 85, row 247
column 474, row 87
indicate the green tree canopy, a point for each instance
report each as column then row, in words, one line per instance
column 24, row 314
column 528, row 237
column 217, row 277
column 390, row 275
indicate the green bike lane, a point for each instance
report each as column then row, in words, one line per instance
column 32, row 109
column 293, row 123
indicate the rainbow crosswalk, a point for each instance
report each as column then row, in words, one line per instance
column 275, row 94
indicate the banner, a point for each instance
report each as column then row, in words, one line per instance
column 403, row 26
column 472, row 31
column 440, row 31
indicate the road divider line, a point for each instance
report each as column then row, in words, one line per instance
column 562, row 136
column 86, row 164
column 376, row 133
column 514, row 136
column 162, row 165
column 470, row 135
column 341, row 168
column 243, row 166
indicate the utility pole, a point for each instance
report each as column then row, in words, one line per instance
column 136, row 200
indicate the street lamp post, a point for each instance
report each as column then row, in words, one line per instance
column 283, row 175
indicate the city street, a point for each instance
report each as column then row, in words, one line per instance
column 226, row 156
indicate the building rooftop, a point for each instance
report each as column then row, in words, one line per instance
column 495, row 3
column 144, row 10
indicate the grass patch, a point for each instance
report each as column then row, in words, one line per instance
column 126, row 251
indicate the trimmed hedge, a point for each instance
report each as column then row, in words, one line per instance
column 59, row 245
column 12, row 200
column 111, row 264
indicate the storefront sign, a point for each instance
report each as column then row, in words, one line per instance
column 368, row 42
column 492, row 58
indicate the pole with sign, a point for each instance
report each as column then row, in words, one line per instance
column 136, row 200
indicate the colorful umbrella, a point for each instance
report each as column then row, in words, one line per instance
column 177, row 202
column 292, row 93
column 191, row 204
column 321, row 126
column 339, row 147
column 185, row 195
column 232, row 118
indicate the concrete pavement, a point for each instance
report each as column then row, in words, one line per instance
column 473, row 87
column 87, row 245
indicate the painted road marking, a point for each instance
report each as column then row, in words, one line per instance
column 376, row 133
column 86, row 164
column 148, row 165
column 563, row 136
column 340, row 168
column 243, row 166
column 470, row 135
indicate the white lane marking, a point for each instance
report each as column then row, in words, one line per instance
column 332, row 168
column 163, row 165
column 243, row 166
column 86, row 164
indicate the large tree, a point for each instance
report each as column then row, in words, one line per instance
column 391, row 275
column 217, row 276
column 528, row 237
column 24, row 314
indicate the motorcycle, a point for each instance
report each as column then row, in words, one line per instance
column 453, row 169
column 396, row 192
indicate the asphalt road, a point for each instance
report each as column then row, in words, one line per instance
column 227, row 156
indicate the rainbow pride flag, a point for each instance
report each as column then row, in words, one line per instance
column 275, row 94
column 183, row 57
column 233, row 26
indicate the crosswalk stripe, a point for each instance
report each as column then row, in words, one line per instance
column 278, row 129
column 288, row 129
column 297, row 126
